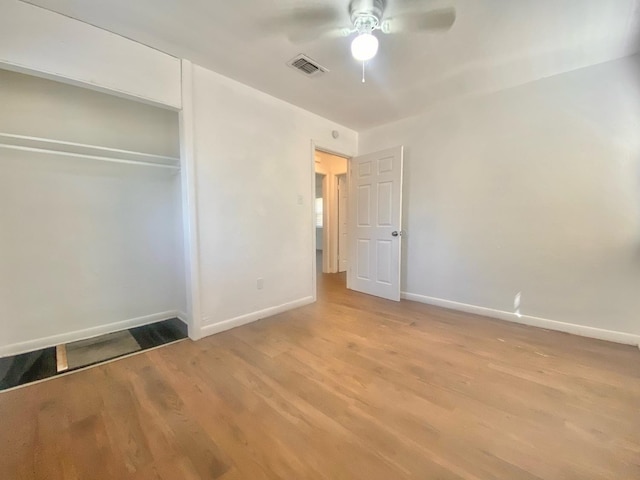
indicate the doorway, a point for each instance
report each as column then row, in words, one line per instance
column 330, row 212
column 319, row 219
column 363, row 239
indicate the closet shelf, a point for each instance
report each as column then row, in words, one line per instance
column 80, row 150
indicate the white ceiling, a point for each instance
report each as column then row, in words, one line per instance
column 494, row 44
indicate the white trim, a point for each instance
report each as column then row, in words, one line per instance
column 314, row 263
column 252, row 317
column 340, row 255
column 90, row 157
column 173, row 160
column 349, row 193
column 193, row 315
column 582, row 330
column 53, row 340
column 184, row 318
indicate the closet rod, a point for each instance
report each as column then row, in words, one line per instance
column 86, row 145
column 91, row 157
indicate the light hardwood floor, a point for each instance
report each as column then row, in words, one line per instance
column 352, row 387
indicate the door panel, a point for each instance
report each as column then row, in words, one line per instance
column 385, row 261
column 364, row 217
column 364, row 169
column 385, row 165
column 375, row 213
column 385, row 204
column 363, row 259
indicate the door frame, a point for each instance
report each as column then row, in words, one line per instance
column 341, row 252
column 315, row 147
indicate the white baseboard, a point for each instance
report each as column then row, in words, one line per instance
column 53, row 340
column 582, row 330
column 183, row 317
column 252, row 317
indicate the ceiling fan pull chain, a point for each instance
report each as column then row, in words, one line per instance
column 362, row 72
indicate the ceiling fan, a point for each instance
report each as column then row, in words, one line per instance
column 312, row 22
column 368, row 16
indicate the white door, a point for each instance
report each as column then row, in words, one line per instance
column 343, row 253
column 375, row 222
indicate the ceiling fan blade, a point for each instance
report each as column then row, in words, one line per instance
column 302, row 17
column 305, row 35
column 432, row 21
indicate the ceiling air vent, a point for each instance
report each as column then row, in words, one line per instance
column 306, row 66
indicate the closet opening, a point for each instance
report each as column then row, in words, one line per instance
column 91, row 236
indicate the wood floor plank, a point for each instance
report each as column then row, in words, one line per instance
column 17, row 436
column 53, row 438
column 351, row 387
column 325, row 413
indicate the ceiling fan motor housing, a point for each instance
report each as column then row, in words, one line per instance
column 366, row 15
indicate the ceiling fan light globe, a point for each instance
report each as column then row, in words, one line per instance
column 364, row 47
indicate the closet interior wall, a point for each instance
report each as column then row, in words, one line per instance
column 90, row 213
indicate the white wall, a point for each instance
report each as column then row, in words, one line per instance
column 255, row 190
column 86, row 246
column 42, row 108
column 36, row 40
column 533, row 189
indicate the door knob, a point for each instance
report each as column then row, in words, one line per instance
column 396, row 233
